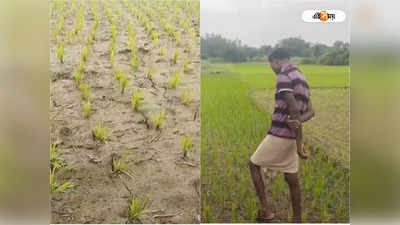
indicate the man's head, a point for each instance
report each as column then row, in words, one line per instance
column 278, row 58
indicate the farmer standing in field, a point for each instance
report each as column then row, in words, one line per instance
column 283, row 144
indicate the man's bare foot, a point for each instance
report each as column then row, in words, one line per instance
column 265, row 215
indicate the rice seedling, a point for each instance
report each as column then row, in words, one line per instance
column 147, row 26
column 60, row 52
column 99, row 132
column 73, row 5
column 79, row 22
column 186, row 97
column 120, row 165
column 162, row 51
column 170, row 29
column 55, row 159
column 123, row 82
column 187, row 145
column 78, row 77
column 135, row 62
column 149, row 73
column 158, row 120
column 87, row 109
column 173, row 83
column 85, row 52
column 117, row 75
column 137, row 207
column 176, row 57
column 137, row 99
column 185, row 24
column 61, row 23
column 89, row 45
column 112, row 57
column 131, row 42
column 84, row 88
column 56, row 31
column 114, row 33
column 154, row 36
column 111, row 47
column 54, row 187
column 70, row 35
column 81, row 66
column 186, row 67
column 93, row 35
column 130, row 28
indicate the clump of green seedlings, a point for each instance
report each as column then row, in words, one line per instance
column 136, row 208
column 135, row 62
column 87, row 109
column 176, row 57
column 173, row 83
column 185, row 24
column 123, row 82
column 187, row 145
column 70, row 36
column 85, row 52
column 93, row 34
column 112, row 56
column 149, row 73
column 186, row 97
column 60, row 52
column 137, row 99
column 158, row 120
column 81, row 66
column 186, row 67
column 113, row 33
column 130, row 27
column 55, row 159
column 169, row 28
column 154, row 36
column 54, row 187
column 118, row 74
column 162, row 51
column 132, row 44
column 120, row 165
column 99, row 132
column 80, row 20
column 84, row 88
column 78, row 77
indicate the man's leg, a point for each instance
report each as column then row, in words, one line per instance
column 295, row 195
column 260, row 189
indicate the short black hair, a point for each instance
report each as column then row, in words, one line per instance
column 279, row 54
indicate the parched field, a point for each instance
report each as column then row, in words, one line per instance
column 124, row 111
column 237, row 102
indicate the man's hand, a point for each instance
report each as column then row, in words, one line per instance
column 303, row 153
column 293, row 124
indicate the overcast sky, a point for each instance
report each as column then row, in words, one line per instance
column 259, row 22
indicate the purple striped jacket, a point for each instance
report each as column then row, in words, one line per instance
column 292, row 80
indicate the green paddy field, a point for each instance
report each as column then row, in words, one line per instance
column 236, row 106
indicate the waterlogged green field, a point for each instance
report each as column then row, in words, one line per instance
column 236, row 104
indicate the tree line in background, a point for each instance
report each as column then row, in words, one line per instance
column 217, row 48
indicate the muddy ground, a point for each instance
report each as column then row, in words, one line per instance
column 160, row 173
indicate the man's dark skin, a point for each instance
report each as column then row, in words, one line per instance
column 291, row 178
